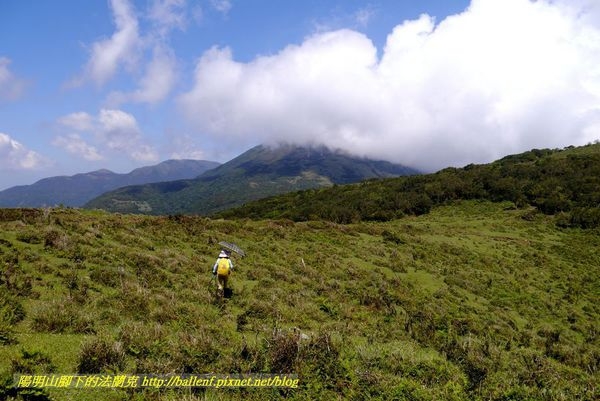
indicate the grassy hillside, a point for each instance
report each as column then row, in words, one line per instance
column 564, row 182
column 474, row 300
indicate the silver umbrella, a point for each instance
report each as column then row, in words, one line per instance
column 232, row 247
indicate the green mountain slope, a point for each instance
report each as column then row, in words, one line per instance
column 473, row 301
column 76, row 190
column 563, row 182
column 257, row 173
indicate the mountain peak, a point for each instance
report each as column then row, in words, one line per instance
column 102, row 171
column 260, row 172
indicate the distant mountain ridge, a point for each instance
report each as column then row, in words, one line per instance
column 260, row 172
column 78, row 189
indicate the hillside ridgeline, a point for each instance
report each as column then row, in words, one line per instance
column 564, row 182
column 78, row 189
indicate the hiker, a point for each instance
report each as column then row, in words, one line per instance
column 222, row 268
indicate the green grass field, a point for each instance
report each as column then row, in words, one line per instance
column 475, row 300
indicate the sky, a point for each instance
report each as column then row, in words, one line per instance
column 121, row 84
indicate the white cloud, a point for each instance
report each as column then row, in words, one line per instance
column 222, row 6
column 501, row 77
column 74, row 144
column 192, row 154
column 129, row 48
column 359, row 19
column 197, row 14
column 112, row 130
column 168, row 15
column 119, row 131
column 11, row 87
column 144, row 153
column 121, row 49
column 157, row 82
column 80, row 121
column 364, row 15
column 184, row 147
column 14, row 156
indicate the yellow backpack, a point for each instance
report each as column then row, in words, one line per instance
column 223, row 268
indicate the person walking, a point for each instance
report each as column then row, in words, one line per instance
column 222, row 269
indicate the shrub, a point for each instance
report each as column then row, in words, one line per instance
column 257, row 310
column 473, row 358
column 20, row 284
column 392, row 237
column 319, row 361
column 197, row 353
column 7, row 335
column 101, row 355
column 148, row 269
column 140, row 340
column 283, row 351
column 107, row 276
column 8, row 391
column 56, row 239
column 29, row 237
column 254, row 358
column 61, row 317
column 133, row 300
column 32, row 362
column 11, row 309
column 586, row 217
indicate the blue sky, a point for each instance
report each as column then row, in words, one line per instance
column 124, row 83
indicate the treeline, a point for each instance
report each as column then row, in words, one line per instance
column 562, row 182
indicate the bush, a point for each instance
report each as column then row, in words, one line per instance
column 257, row 311
column 101, row 356
column 283, row 351
column 253, row 357
column 586, row 217
column 319, row 363
column 32, row 362
column 148, row 269
column 196, row 353
column 107, row 276
column 8, row 391
column 7, row 335
column 56, row 240
column 389, row 236
column 29, row 237
column 473, row 358
column 140, row 340
column 133, row 301
column 11, row 309
column 61, row 317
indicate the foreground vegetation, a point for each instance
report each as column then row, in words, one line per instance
column 475, row 300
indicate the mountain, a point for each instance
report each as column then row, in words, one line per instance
column 562, row 182
column 78, row 189
column 480, row 297
column 260, row 172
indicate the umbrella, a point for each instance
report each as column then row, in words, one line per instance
column 233, row 248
